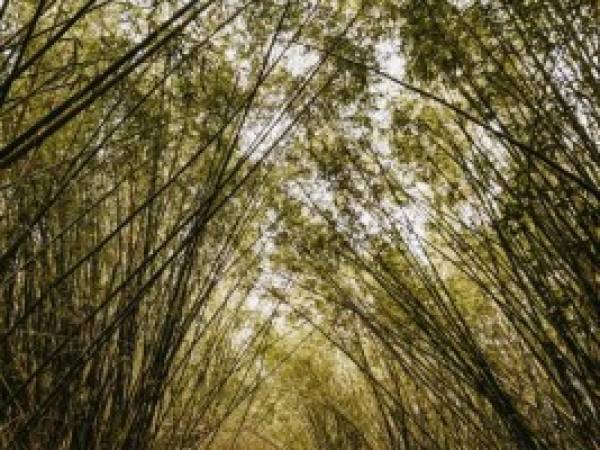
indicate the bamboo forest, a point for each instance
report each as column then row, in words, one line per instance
column 299, row 224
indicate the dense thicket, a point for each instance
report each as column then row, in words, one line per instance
column 299, row 225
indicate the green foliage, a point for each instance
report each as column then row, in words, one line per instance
column 225, row 225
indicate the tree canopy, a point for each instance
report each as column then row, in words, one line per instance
column 303, row 225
